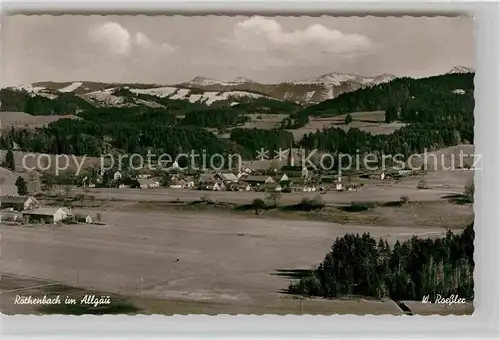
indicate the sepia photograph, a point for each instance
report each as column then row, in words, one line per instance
column 237, row 165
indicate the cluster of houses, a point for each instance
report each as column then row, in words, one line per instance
column 29, row 209
column 245, row 181
column 289, row 178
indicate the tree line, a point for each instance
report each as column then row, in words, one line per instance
column 22, row 101
column 126, row 130
column 397, row 93
column 215, row 117
column 408, row 140
column 359, row 265
column 255, row 139
column 438, row 115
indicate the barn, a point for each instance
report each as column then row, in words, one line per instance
column 47, row 215
column 19, row 203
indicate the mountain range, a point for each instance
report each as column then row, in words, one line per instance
column 326, row 86
column 207, row 90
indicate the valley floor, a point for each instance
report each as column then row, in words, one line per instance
column 172, row 261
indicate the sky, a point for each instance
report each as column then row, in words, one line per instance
column 173, row 49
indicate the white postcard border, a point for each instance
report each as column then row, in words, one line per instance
column 484, row 322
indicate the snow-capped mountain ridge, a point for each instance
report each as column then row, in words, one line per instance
column 204, row 81
column 461, row 69
column 336, row 79
column 203, row 89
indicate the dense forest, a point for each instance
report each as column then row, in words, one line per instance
column 443, row 97
column 398, row 93
column 410, row 139
column 359, row 265
column 267, row 105
column 256, row 139
column 21, row 101
column 438, row 110
column 130, row 130
column 217, row 117
column 437, row 115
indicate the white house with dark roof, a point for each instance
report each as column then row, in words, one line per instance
column 226, row 177
column 146, row 183
column 47, row 214
column 117, row 175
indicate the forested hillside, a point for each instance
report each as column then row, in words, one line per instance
column 256, row 139
column 217, row 117
column 130, row 130
column 359, row 265
column 438, row 110
column 22, row 101
column 433, row 93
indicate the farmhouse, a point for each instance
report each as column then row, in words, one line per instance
column 178, row 183
column 404, row 173
column 175, row 166
column 309, row 188
column 244, row 187
column 189, row 182
column 259, row 179
column 145, row 183
column 217, row 186
column 206, row 181
column 284, row 178
column 328, row 178
column 19, row 203
column 47, row 215
column 296, row 188
column 226, row 177
column 240, row 186
column 241, row 174
column 270, row 187
column 117, row 175
column 295, row 171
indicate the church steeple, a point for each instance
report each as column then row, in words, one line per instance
column 290, row 160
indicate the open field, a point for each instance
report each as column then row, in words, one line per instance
column 374, row 193
column 257, row 121
column 414, row 214
column 264, row 121
column 25, row 120
column 454, row 157
column 179, row 256
column 13, row 285
column 371, row 121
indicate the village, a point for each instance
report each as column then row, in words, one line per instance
column 277, row 178
column 271, row 176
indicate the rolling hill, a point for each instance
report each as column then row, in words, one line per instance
column 326, row 86
column 208, row 91
column 119, row 95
